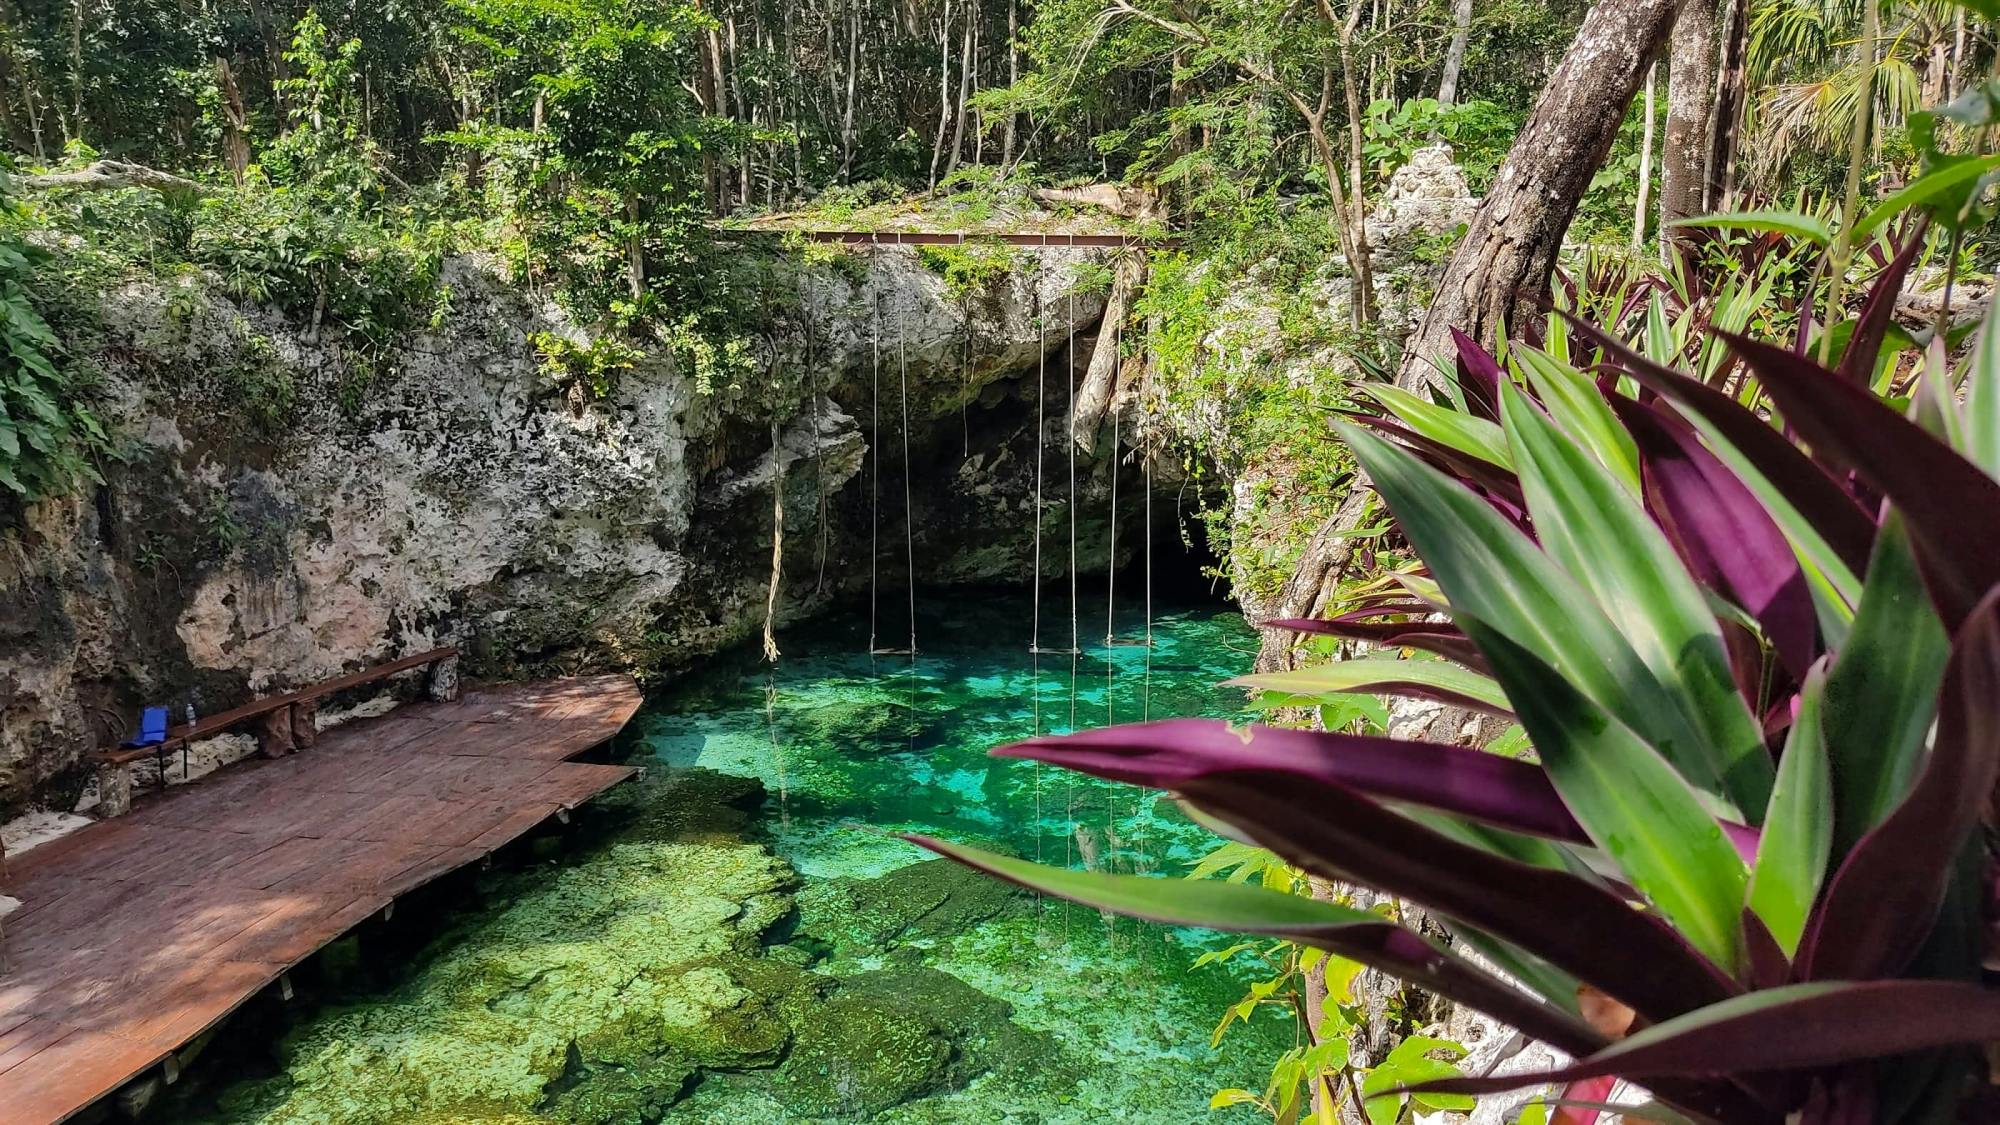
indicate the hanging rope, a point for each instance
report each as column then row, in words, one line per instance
column 819, row 446
column 874, row 442
column 777, row 542
column 1111, row 561
column 1041, row 397
column 909, row 512
column 777, row 496
column 1151, row 435
column 875, row 487
column 965, row 380
column 1075, row 630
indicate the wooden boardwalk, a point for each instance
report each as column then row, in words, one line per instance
column 137, row 934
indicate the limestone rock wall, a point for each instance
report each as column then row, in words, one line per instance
column 281, row 509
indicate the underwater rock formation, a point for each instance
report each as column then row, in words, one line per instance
column 928, row 901
column 605, row 992
column 636, row 963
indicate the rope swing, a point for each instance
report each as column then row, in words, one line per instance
column 1041, row 457
column 1075, row 630
column 874, row 442
column 875, row 470
column 1111, row 638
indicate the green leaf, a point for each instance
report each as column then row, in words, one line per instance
column 1494, row 572
column 1600, row 535
column 1662, row 347
column 1927, row 188
column 1177, row 902
column 1982, row 397
column 1793, row 223
column 1577, row 406
column 1379, row 675
column 1798, row 830
column 1466, row 433
column 1629, row 799
column 1881, row 695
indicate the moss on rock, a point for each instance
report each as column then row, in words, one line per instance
column 622, row 1095
column 858, row 1056
column 928, row 901
column 639, row 952
column 894, row 1035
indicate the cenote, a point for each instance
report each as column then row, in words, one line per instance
column 737, row 936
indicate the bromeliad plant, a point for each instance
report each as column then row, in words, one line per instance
column 1750, row 626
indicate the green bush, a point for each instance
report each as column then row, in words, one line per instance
column 47, row 431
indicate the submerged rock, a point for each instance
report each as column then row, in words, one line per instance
column 624, row 1095
column 928, row 901
column 640, row 955
column 892, row 1036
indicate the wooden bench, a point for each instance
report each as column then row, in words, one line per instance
column 285, row 724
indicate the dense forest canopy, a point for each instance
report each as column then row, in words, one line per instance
column 792, row 99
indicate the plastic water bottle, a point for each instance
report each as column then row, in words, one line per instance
column 190, row 713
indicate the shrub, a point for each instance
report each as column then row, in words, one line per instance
column 47, row 431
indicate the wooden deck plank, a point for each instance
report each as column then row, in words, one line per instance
column 57, row 1081
column 136, row 935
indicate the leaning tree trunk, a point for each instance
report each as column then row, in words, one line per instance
column 1100, row 380
column 1690, row 100
column 1504, row 262
column 1507, row 255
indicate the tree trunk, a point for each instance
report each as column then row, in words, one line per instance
column 1504, row 261
column 1100, row 380
column 1726, row 119
column 1014, row 78
column 635, row 249
column 944, row 92
column 1645, row 163
column 235, row 134
column 274, row 59
column 853, row 76
column 1361, row 262
column 1691, row 73
column 1313, row 581
column 717, row 172
column 1454, row 55
column 12, row 78
column 964, row 86
column 74, row 126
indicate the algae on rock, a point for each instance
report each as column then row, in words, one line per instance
column 927, row 901
column 638, row 953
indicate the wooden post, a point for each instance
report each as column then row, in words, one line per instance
column 7, row 906
column 114, row 789
column 304, row 731
column 444, row 680
column 274, row 733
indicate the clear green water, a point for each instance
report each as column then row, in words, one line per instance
column 552, row 989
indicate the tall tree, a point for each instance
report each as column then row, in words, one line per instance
column 1505, row 259
column 1691, row 74
column 1454, row 52
column 1317, row 53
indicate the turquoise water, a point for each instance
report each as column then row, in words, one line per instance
column 851, row 747
column 849, row 744
column 739, row 938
